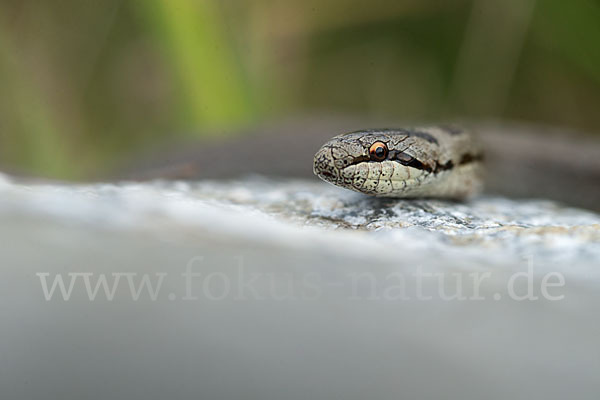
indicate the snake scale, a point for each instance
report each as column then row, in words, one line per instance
column 438, row 161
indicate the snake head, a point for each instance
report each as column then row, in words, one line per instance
column 351, row 160
column 399, row 163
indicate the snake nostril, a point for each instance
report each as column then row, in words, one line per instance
column 325, row 165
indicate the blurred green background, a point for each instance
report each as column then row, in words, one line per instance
column 86, row 84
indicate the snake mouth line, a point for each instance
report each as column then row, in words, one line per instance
column 326, row 174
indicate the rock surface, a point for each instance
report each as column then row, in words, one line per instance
column 265, row 289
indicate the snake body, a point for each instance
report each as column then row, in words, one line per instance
column 416, row 162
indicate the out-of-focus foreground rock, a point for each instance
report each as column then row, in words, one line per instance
column 279, row 289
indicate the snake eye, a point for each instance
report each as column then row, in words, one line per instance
column 378, row 151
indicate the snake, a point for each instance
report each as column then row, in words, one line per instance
column 434, row 161
column 522, row 160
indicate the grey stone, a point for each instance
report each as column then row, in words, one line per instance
column 303, row 290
